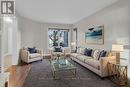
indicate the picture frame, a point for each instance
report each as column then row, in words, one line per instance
column 95, row 35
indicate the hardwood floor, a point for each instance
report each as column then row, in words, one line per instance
column 18, row 75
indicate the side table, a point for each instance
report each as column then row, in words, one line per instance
column 46, row 56
column 118, row 74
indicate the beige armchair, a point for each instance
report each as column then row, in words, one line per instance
column 28, row 57
column 54, row 54
column 65, row 52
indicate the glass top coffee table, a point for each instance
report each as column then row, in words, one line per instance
column 63, row 65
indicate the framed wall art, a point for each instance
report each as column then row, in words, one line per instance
column 95, row 35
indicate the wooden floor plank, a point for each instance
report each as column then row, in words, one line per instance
column 18, row 74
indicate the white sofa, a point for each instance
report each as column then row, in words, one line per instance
column 28, row 57
column 99, row 67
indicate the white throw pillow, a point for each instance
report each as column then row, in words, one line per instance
column 82, row 51
column 96, row 54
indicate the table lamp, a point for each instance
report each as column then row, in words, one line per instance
column 73, row 46
column 117, row 48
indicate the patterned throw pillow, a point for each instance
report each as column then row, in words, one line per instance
column 102, row 54
column 96, row 54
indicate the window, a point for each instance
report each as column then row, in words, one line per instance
column 58, row 37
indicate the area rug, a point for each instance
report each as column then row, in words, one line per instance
column 40, row 75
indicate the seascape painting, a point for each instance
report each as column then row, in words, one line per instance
column 95, row 35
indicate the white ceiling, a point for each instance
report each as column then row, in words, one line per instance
column 60, row 11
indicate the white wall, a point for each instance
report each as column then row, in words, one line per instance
column 16, row 38
column 10, row 43
column 30, row 32
column 34, row 33
column 129, row 51
column 116, row 21
column 0, row 44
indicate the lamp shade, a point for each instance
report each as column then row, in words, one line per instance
column 117, row 47
column 73, row 44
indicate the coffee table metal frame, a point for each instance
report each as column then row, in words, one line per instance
column 69, row 67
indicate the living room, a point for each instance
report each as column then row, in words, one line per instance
column 66, row 25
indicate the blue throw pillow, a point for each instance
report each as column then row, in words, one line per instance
column 102, row 53
column 85, row 50
column 88, row 52
column 32, row 50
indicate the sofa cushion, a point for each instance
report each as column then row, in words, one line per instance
column 87, row 52
column 83, row 57
column 92, row 62
column 34, row 55
column 74, row 54
column 96, row 54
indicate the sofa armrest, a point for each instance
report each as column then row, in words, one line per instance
column 25, row 55
column 103, row 60
column 104, row 64
column 40, row 51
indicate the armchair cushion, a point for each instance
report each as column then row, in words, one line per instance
column 34, row 55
